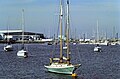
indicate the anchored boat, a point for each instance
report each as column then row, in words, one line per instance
column 62, row 64
column 22, row 52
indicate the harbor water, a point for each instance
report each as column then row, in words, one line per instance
column 94, row 65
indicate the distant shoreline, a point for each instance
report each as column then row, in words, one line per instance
column 26, row 41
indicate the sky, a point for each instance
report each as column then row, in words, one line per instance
column 41, row 16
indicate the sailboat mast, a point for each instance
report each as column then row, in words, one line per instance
column 67, row 37
column 23, row 27
column 61, row 17
column 97, row 32
column 7, row 36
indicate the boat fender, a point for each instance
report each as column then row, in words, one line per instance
column 74, row 75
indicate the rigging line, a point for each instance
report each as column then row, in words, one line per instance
column 7, row 30
column 56, row 37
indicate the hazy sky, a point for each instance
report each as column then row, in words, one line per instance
column 42, row 16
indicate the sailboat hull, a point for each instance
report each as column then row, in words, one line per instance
column 8, row 48
column 68, row 70
column 97, row 49
column 61, row 68
column 22, row 53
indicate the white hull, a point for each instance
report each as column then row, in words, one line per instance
column 97, row 49
column 114, row 44
column 74, row 43
column 103, row 44
column 8, row 48
column 65, row 47
column 22, row 53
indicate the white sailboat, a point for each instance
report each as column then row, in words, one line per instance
column 62, row 65
column 65, row 46
column 8, row 46
column 97, row 48
column 22, row 52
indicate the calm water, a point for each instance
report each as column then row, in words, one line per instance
column 104, row 65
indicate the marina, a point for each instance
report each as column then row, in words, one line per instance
column 62, row 39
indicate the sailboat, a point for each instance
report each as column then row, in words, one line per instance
column 97, row 48
column 8, row 46
column 62, row 65
column 22, row 52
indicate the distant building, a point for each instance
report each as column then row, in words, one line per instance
column 17, row 35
